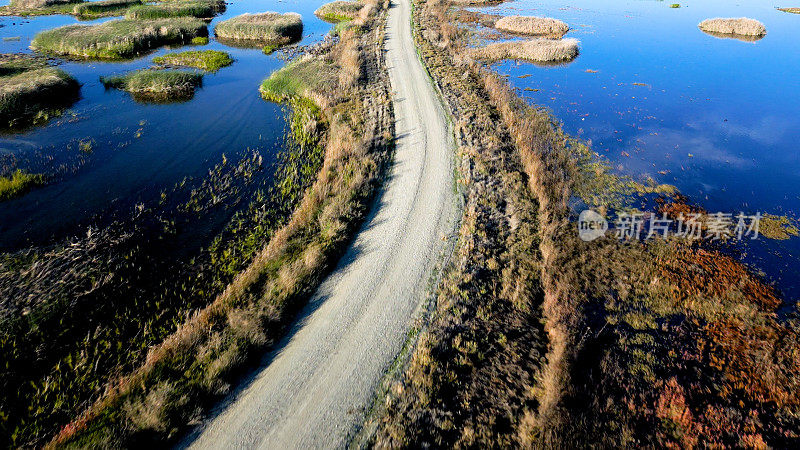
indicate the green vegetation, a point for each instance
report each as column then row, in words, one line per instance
column 675, row 5
column 209, row 60
column 31, row 91
column 200, row 9
column 199, row 40
column 262, row 29
column 156, row 85
column 18, row 184
column 102, row 8
column 38, row 7
column 339, row 11
column 117, row 39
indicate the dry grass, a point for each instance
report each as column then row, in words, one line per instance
column 534, row 50
column 790, row 10
column 533, row 26
column 339, row 11
column 739, row 27
column 269, row 28
column 39, row 3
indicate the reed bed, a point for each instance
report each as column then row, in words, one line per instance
column 28, row 89
column 101, row 7
column 117, row 39
column 208, row 60
column 200, row 9
column 339, row 11
column 532, row 26
column 23, row 4
column 739, row 27
column 534, row 50
column 156, row 85
column 263, row 28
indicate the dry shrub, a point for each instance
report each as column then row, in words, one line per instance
column 741, row 26
column 534, row 50
column 531, row 25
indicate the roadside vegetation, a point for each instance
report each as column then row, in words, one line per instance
column 734, row 27
column 200, row 9
column 534, row 50
column 626, row 345
column 208, row 60
column 156, row 85
column 19, row 183
column 342, row 119
column 261, row 29
column 339, row 11
column 31, row 91
column 117, row 39
column 532, row 26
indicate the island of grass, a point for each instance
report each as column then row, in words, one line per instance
column 790, row 10
column 117, row 39
column 741, row 28
column 262, row 29
column 38, row 7
column 534, row 50
column 31, row 91
column 156, row 86
column 339, row 11
column 200, row 8
column 532, row 26
column 208, row 60
column 102, row 8
column 18, row 184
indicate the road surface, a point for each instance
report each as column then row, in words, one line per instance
column 315, row 388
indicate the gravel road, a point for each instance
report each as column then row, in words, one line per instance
column 315, row 388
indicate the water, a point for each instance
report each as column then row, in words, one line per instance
column 138, row 150
column 718, row 118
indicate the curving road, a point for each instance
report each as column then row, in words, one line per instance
column 315, row 388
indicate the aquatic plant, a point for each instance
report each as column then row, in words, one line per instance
column 535, row 50
column 18, row 184
column 530, row 25
column 200, row 40
column 31, row 91
column 339, row 11
column 117, row 39
column 156, row 85
column 101, row 7
column 790, row 10
column 209, row 60
column 40, row 3
column 740, row 27
column 262, row 28
column 200, row 9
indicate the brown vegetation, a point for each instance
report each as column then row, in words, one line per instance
column 534, row 50
column 263, row 28
column 533, row 26
column 197, row 364
column 739, row 27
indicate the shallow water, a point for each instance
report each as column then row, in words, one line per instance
column 138, row 150
column 718, row 118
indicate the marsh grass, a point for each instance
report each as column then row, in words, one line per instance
column 200, row 9
column 534, row 50
column 208, row 60
column 156, row 85
column 339, row 11
column 262, row 28
column 18, row 184
column 31, row 91
column 733, row 27
column 790, row 10
column 38, row 7
column 117, row 39
column 103, row 7
column 533, row 26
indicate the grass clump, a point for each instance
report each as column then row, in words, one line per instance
column 734, row 27
column 201, row 9
column 675, row 5
column 18, row 184
column 339, row 11
column 533, row 26
column 117, row 39
column 209, row 60
column 38, row 7
column 534, row 50
column 31, row 91
column 790, row 10
column 156, row 85
column 200, row 40
column 103, row 7
column 262, row 28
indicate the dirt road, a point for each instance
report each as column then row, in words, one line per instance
column 315, row 388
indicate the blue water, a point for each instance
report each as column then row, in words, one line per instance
column 226, row 116
column 718, row 118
